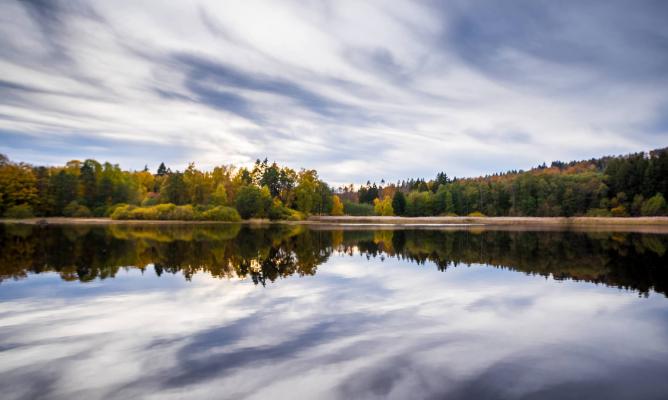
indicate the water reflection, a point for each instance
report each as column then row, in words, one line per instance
column 351, row 314
column 626, row 260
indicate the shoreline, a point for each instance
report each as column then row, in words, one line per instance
column 631, row 224
column 500, row 221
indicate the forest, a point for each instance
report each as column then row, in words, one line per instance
column 617, row 186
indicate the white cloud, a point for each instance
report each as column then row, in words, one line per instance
column 356, row 90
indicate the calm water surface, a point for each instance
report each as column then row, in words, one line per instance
column 211, row 312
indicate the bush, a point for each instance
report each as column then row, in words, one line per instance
column 278, row 211
column 182, row 213
column 19, row 212
column 220, row 213
column 74, row 209
column 121, row 211
column 598, row 212
column 296, row 215
column 655, row 205
column 476, row 214
column 160, row 212
column 100, row 211
column 150, row 201
column 357, row 209
column 619, row 211
column 110, row 210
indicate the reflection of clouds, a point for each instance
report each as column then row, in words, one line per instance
column 356, row 329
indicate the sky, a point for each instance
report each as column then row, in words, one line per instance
column 355, row 89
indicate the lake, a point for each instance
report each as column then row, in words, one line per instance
column 290, row 312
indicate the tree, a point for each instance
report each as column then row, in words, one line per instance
column 252, row 202
column 306, row 192
column 88, row 177
column 399, row 203
column 63, row 190
column 219, row 196
column 174, row 189
column 383, row 207
column 18, row 185
column 199, row 185
column 271, row 178
column 162, row 170
column 337, row 206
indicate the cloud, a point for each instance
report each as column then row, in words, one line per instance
column 356, row 90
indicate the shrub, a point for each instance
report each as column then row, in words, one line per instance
column 110, row 210
column 655, row 205
column 598, row 212
column 160, row 212
column 19, row 212
column 123, row 211
column 278, row 211
column 145, row 213
column 476, row 214
column 182, row 213
column 150, row 201
column 619, row 211
column 74, row 209
column 100, row 211
column 164, row 211
column 296, row 215
column 221, row 213
column 357, row 209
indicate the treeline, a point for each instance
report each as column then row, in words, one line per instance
column 85, row 253
column 90, row 188
column 631, row 185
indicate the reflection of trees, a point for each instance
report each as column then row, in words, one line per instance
column 627, row 260
column 85, row 253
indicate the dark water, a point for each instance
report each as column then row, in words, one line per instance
column 290, row 313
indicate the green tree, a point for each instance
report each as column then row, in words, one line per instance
column 399, row 203
column 253, row 202
column 174, row 189
column 219, row 196
column 88, row 178
column 63, row 190
column 162, row 170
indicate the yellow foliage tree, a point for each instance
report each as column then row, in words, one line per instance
column 337, row 206
column 383, row 207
